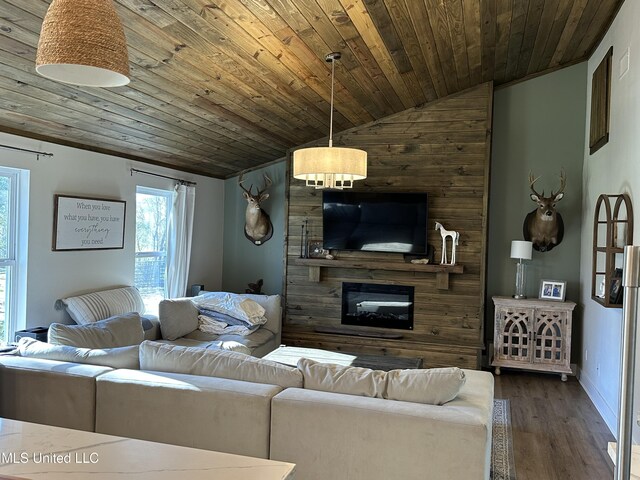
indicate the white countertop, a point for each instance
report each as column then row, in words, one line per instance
column 33, row 451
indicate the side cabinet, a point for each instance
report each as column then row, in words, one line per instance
column 532, row 335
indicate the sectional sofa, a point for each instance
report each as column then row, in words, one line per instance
column 353, row 424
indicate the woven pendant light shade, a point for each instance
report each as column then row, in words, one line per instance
column 82, row 42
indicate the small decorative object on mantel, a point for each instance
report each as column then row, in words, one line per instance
column 455, row 236
column 552, row 290
column 258, row 227
column 315, row 249
column 329, row 257
column 255, row 288
column 544, row 226
column 420, row 261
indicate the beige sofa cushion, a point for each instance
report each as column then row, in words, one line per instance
column 435, row 386
column 121, row 357
column 62, row 394
column 328, row 377
column 216, row 363
column 118, row 331
column 215, row 344
column 194, row 411
column 96, row 306
column 178, row 317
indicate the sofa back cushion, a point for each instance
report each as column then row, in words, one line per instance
column 120, row 357
column 178, row 317
column 117, row 331
column 216, row 363
column 434, row 386
column 328, row 377
column 96, row 306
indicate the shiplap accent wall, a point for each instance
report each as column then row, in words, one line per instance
column 443, row 149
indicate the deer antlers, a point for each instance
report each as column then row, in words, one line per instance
column 563, row 183
column 267, row 184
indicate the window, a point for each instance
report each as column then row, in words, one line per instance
column 152, row 220
column 14, row 221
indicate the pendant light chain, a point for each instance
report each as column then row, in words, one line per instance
column 333, row 69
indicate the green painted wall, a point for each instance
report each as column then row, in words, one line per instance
column 538, row 125
column 244, row 262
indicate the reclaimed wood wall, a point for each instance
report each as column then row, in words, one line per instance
column 442, row 148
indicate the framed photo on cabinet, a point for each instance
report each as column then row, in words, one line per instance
column 552, row 290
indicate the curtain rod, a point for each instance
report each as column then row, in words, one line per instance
column 26, row 150
column 179, row 180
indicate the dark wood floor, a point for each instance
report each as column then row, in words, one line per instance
column 557, row 432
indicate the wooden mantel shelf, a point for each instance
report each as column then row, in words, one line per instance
column 442, row 271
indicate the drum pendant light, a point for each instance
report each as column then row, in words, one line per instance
column 82, row 42
column 330, row 167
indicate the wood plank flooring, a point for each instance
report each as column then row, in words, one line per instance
column 557, row 432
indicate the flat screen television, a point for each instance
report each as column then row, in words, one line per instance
column 376, row 222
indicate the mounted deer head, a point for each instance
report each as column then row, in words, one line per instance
column 258, row 227
column 544, row 226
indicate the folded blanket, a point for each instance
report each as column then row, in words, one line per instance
column 234, row 305
column 221, row 317
column 210, row 325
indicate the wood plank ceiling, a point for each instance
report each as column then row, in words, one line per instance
column 219, row 86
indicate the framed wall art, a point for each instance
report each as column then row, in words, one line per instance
column 600, row 104
column 85, row 223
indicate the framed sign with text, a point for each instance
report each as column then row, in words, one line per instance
column 82, row 223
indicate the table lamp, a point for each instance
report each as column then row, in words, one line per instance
column 521, row 250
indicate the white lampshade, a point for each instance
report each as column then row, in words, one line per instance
column 330, row 167
column 82, row 42
column 521, row 249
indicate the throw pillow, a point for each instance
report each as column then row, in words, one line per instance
column 328, row 377
column 96, row 306
column 121, row 357
column 178, row 317
column 117, row 331
column 435, row 386
column 216, row 363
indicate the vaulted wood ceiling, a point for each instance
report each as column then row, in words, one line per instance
column 219, row 86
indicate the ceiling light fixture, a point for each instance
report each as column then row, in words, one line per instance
column 330, row 167
column 82, row 42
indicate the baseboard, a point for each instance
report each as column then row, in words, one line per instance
column 609, row 416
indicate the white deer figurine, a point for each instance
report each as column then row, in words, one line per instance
column 454, row 242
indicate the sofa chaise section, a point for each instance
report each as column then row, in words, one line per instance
column 211, row 413
column 339, row 436
column 179, row 325
column 61, row 394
